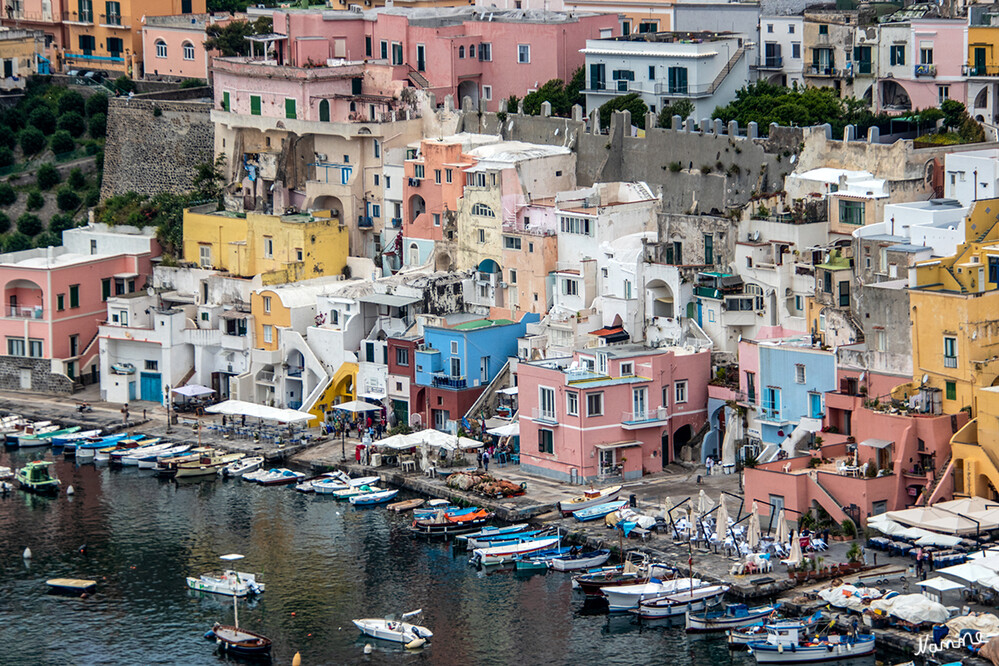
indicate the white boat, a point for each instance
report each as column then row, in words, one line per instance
column 242, row 467
column 6, row 473
column 509, row 552
column 69, row 442
column 208, row 465
column 353, row 491
column 793, row 648
column 681, row 603
column 627, row 597
column 732, row 616
column 585, row 560
column 398, row 631
column 588, row 499
column 368, row 499
column 229, row 583
column 152, row 460
column 279, row 477
column 34, row 434
column 133, row 457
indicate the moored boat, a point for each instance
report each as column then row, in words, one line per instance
column 206, row 465
column 85, row 451
column 626, row 597
column 369, row 499
column 43, row 436
column 540, row 561
column 280, row 477
column 443, row 524
column 777, row 630
column 498, row 539
column 581, row 560
column 803, row 650
column 151, row 460
column 405, row 505
column 680, row 603
column 353, row 491
column 70, row 440
column 599, row 510
column 240, row 642
column 509, row 552
column 398, row 631
column 588, row 499
column 241, row 467
column 36, row 477
column 132, row 456
column 732, row 616
column 228, row 582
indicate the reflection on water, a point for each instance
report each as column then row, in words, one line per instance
column 323, row 562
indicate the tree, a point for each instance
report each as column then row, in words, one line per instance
column 92, row 197
column 32, row 140
column 230, row 39
column 574, row 89
column 47, row 176
column 73, row 123
column 123, row 85
column 228, row 6
column 16, row 242
column 8, row 139
column 67, row 199
column 43, row 119
column 210, row 178
column 76, row 179
column 97, row 103
column 512, row 103
column 681, row 107
column 98, row 126
column 8, row 194
column 48, row 239
column 29, row 224
column 35, row 200
column 62, row 143
column 4, row 223
column 72, row 102
column 552, row 92
column 60, row 222
column 7, row 157
column 165, row 211
column 630, row 102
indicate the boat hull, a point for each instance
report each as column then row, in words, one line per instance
column 700, row 622
column 573, row 564
column 599, row 511
column 681, row 604
column 606, row 495
column 766, row 653
column 397, row 632
column 240, row 642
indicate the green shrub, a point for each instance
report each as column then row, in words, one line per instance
column 48, row 239
column 7, row 157
column 8, row 194
column 192, row 83
column 157, row 112
column 47, row 176
column 32, row 140
column 67, row 199
column 93, row 197
column 35, row 200
column 16, row 242
column 72, row 122
column 97, row 103
column 4, row 223
column 71, row 102
column 124, row 85
column 62, row 143
column 60, row 222
column 675, row 167
column 76, row 179
column 43, row 119
column 98, row 125
column 29, row 224
column 99, row 160
column 849, row 529
column 8, row 139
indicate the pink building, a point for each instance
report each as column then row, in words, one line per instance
column 54, row 300
column 921, row 64
column 174, row 46
column 618, row 411
column 483, row 54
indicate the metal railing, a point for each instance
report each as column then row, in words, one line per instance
column 772, row 63
column 979, row 70
column 543, row 415
column 266, row 377
column 655, row 414
column 442, row 380
column 25, row 312
column 950, row 361
column 925, row 70
column 79, row 17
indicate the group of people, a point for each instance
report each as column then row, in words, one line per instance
column 347, row 425
column 492, row 451
column 924, row 563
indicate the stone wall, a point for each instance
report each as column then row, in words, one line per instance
column 149, row 154
column 43, row 380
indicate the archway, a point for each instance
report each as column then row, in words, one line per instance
column 330, row 203
column 417, row 207
column 324, row 110
column 984, row 488
column 468, row 89
column 681, row 438
column 414, row 255
column 488, row 266
column 894, row 97
column 982, row 98
column 23, row 298
column 659, row 300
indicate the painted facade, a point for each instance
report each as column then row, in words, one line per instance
column 174, row 46
column 22, row 54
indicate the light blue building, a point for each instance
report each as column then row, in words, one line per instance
column 793, row 378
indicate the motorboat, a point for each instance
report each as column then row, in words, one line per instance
column 809, row 650
column 581, row 560
column 447, row 509
column 85, row 451
column 497, row 539
column 732, row 616
column 398, row 631
column 206, row 465
column 280, row 477
column 354, row 491
column 510, row 552
column 241, row 467
column 167, row 467
column 626, row 597
column 31, row 431
column 104, row 455
column 36, row 477
column 489, row 531
column 588, row 499
column 70, row 440
column 151, row 460
column 228, row 582
column 599, row 510
column 773, row 630
column 43, row 436
column 681, row 603
column 132, row 457
column 369, row 499
column 630, row 572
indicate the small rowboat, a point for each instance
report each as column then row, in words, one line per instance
column 587, row 560
column 510, row 552
column 240, row 642
column 732, row 617
column 71, row 585
column 540, row 561
column 369, row 499
column 445, row 524
column 405, row 505
column 588, row 499
column 680, row 603
column 496, row 539
column 599, row 511
column 347, row 493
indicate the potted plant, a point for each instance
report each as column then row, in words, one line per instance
column 853, row 556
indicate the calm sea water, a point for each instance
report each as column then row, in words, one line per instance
column 323, row 562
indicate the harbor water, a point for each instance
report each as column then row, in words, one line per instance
column 323, row 562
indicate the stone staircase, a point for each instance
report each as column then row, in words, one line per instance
column 944, row 471
column 726, row 69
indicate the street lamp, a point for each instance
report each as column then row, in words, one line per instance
column 168, row 401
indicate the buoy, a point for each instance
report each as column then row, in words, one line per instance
column 293, row 613
column 416, row 643
column 296, row 660
column 70, row 490
column 367, row 648
column 26, row 554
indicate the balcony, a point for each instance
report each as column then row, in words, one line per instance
column 950, row 361
column 414, row 182
column 707, row 292
column 544, row 416
column 443, row 380
column 364, row 222
column 35, row 312
column 266, row 378
column 771, row 417
column 84, row 18
column 667, row 90
column 646, row 419
column 979, row 70
column 925, row 70
column 396, row 222
column 114, row 21
column 771, row 63
column 828, row 71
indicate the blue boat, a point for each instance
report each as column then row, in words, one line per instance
column 426, row 514
column 599, row 511
column 492, row 539
column 539, row 561
column 369, row 499
column 489, row 531
column 71, row 439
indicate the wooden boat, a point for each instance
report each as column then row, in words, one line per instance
column 732, row 616
column 398, row 631
column 405, row 505
column 85, row 451
column 804, row 650
column 370, row 499
column 104, row 455
column 347, row 493
column 150, row 461
column 35, row 477
column 449, row 509
column 31, row 431
column 43, row 436
column 588, row 499
column 741, row 637
column 444, row 524
column 207, row 465
column 599, row 510
column 681, row 603
column 241, row 642
column 71, row 585
column 626, row 597
column 70, row 440
column 583, row 560
column 167, row 467
column 132, row 456
column 497, row 539
column 510, row 552
column 540, row 561
column 280, row 477
column 486, row 531
column 240, row 467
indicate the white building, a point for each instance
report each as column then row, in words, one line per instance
column 937, row 224
column 780, row 53
column 593, row 216
column 972, row 175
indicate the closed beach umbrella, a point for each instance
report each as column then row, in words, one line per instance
column 721, row 518
column 753, row 535
column 704, row 503
column 782, row 531
column 795, row 557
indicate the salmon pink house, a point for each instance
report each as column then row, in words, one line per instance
column 54, row 300
column 619, row 411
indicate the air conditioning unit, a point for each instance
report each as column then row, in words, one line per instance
column 334, row 212
column 355, row 8
column 320, row 157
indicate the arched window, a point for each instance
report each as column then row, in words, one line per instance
column 161, row 49
column 353, row 107
column 471, row 51
column 188, row 51
column 483, row 210
column 461, row 52
column 324, row 110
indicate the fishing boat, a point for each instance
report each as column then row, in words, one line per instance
column 35, row 477
column 498, row 539
column 741, row 637
column 444, row 524
column 449, row 509
column 405, row 505
column 588, row 499
column 70, row 440
column 487, row 531
column 370, row 499
column 233, row 640
column 795, row 648
column 626, row 597
column 347, row 493
column 43, row 436
column 280, row 477
column 85, row 451
column 732, row 616
column 599, row 510
column 241, row 467
column 510, row 552
column 228, row 582
column 151, row 460
column 131, row 456
column 681, row 603
column 167, row 467
column 398, row 631
column 104, row 455
column 30, row 430
column 207, row 464
column 581, row 560
column 540, row 561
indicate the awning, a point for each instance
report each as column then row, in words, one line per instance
column 270, row 37
column 126, row 276
column 357, row 406
column 509, row 430
column 241, row 408
column 617, row 445
column 391, row 300
column 512, row 390
column 940, row 584
column 372, row 395
column 876, row 443
column 193, row 390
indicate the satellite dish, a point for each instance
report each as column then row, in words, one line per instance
column 150, row 292
column 926, row 378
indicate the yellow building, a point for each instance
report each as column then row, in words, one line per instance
column 281, row 248
column 20, row 51
column 955, row 338
column 108, row 35
column 635, row 15
column 975, row 449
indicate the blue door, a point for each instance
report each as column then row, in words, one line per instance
column 815, row 405
column 150, row 387
column 131, row 391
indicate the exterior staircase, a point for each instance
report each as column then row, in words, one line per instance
column 945, row 470
column 418, row 79
column 726, row 69
column 832, row 506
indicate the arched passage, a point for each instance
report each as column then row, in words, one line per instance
column 894, row 96
column 468, row 89
column 659, row 299
column 330, row 203
column 23, row 298
column 442, row 262
column 488, row 266
column 417, row 207
column 982, row 98
column 681, row 438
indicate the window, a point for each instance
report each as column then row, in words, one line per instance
column 487, row 92
column 709, row 249
column 627, row 289
column 993, row 269
column 268, row 334
column 771, row 402
column 665, row 396
column 60, row 302
column 376, row 210
column 268, row 247
column 881, row 340
column 594, row 404
column 401, row 356
column 116, row 46
column 799, row 373
column 448, row 175
column 112, row 13
column 482, row 210
column 384, row 50
column 267, row 304
column 437, row 176
column 367, row 45
column 105, row 289
column 88, row 44
column 951, row 390
column 844, row 293
column 396, row 53
column 627, row 369
column 513, row 276
column 546, row 403
column 530, row 247
column 926, row 56
column 161, row 49
column 546, row 441
column 204, row 316
column 35, row 348
column 676, row 80
column 15, row 346
column 254, row 105
column 823, row 30
column 485, row 52
column 796, row 50
column 511, row 243
column 74, row 295
column 152, row 365
column 461, row 52
column 680, row 391
column 471, row 50
column 482, row 235
column 598, row 77
column 575, row 225
column 572, row 403
column 226, row 103
column 523, row 53
column 790, row 29
column 437, row 219
column 454, row 346
column 652, row 72
column 188, row 51
column 290, row 110
column 862, row 56
column 570, row 287
column 827, row 282
column 751, row 388
column 943, row 94
column 851, row 212
column 418, row 171
column 896, row 54
column 950, row 351
column 770, row 27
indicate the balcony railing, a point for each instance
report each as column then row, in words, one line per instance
column 114, row 20
column 442, row 380
column 25, row 313
column 364, row 222
column 544, row 415
column 649, row 416
column 925, row 70
column 950, row 361
column 396, row 222
column 266, row 377
column 78, row 17
column 979, row 70
column 772, row 63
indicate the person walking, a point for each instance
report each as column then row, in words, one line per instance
column 919, row 563
column 485, row 461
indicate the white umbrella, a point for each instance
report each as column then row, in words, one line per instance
column 704, row 503
column 508, row 430
column 753, row 535
column 721, row 518
column 695, row 526
column 795, row 557
column 782, row 531
column 357, row 406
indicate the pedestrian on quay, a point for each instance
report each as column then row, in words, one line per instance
column 478, row 458
column 919, row 563
column 485, row 461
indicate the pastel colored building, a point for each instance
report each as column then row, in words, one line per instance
column 982, row 63
column 22, row 54
column 455, row 364
column 919, row 65
column 618, row 411
column 55, row 298
column 401, row 386
column 636, row 17
column 174, row 46
column 530, row 255
column 462, row 52
column 976, row 448
column 43, row 15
